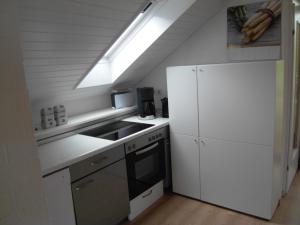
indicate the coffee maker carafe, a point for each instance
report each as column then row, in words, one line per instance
column 145, row 101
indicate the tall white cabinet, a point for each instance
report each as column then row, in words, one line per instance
column 226, row 125
column 184, row 135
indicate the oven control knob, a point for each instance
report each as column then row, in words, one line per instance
column 157, row 136
column 149, row 139
column 153, row 137
column 160, row 135
column 133, row 146
column 129, row 148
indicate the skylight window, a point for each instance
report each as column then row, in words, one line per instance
column 147, row 27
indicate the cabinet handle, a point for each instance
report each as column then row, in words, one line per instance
column 83, row 185
column 196, row 140
column 147, row 149
column 146, row 195
column 203, row 142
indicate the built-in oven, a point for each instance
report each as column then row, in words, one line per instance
column 145, row 160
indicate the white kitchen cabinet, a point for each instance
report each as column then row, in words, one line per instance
column 182, row 93
column 239, row 110
column 237, row 102
column 59, row 198
column 185, row 165
column 237, row 175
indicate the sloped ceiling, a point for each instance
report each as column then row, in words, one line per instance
column 62, row 39
column 183, row 28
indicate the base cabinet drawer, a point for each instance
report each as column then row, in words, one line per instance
column 145, row 200
column 97, row 162
column 59, row 198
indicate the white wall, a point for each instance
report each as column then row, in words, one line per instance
column 74, row 106
column 206, row 46
column 22, row 199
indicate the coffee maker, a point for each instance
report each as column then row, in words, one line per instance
column 145, row 101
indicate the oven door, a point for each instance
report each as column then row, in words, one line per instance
column 145, row 168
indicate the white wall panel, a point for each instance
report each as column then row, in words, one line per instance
column 38, row 26
column 56, row 17
column 64, row 37
column 57, row 54
column 81, row 8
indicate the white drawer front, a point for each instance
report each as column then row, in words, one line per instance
column 146, row 199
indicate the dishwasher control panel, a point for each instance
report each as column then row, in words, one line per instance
column 94, row 163
column 144, row 140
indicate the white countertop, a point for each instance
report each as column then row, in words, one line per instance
column 65, row 152
column 76, row 121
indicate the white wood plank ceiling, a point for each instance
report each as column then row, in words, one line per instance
column 62, row 39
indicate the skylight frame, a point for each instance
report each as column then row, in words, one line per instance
column 108, row 55
column 135, row 40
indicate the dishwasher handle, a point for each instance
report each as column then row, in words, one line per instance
column 98, row 161
column 83, row 185
column 148, row 149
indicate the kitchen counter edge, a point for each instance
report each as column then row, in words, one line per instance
column 49, row 154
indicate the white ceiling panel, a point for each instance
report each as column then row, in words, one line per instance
column 61, row 40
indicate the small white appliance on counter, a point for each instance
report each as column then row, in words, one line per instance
column 122, row 99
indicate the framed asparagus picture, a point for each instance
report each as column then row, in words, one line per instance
column 254, row 25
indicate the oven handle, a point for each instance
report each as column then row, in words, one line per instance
column 147, row 149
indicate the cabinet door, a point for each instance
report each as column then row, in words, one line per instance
column 185, row 165
column 237, row 176
column 237, row 102
column 183, row 103
column 59, row 198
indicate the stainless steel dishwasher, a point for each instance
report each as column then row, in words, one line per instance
column 100, row 189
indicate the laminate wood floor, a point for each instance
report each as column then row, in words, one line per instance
column 177, row 210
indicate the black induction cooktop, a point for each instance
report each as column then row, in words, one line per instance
column 116, row 130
